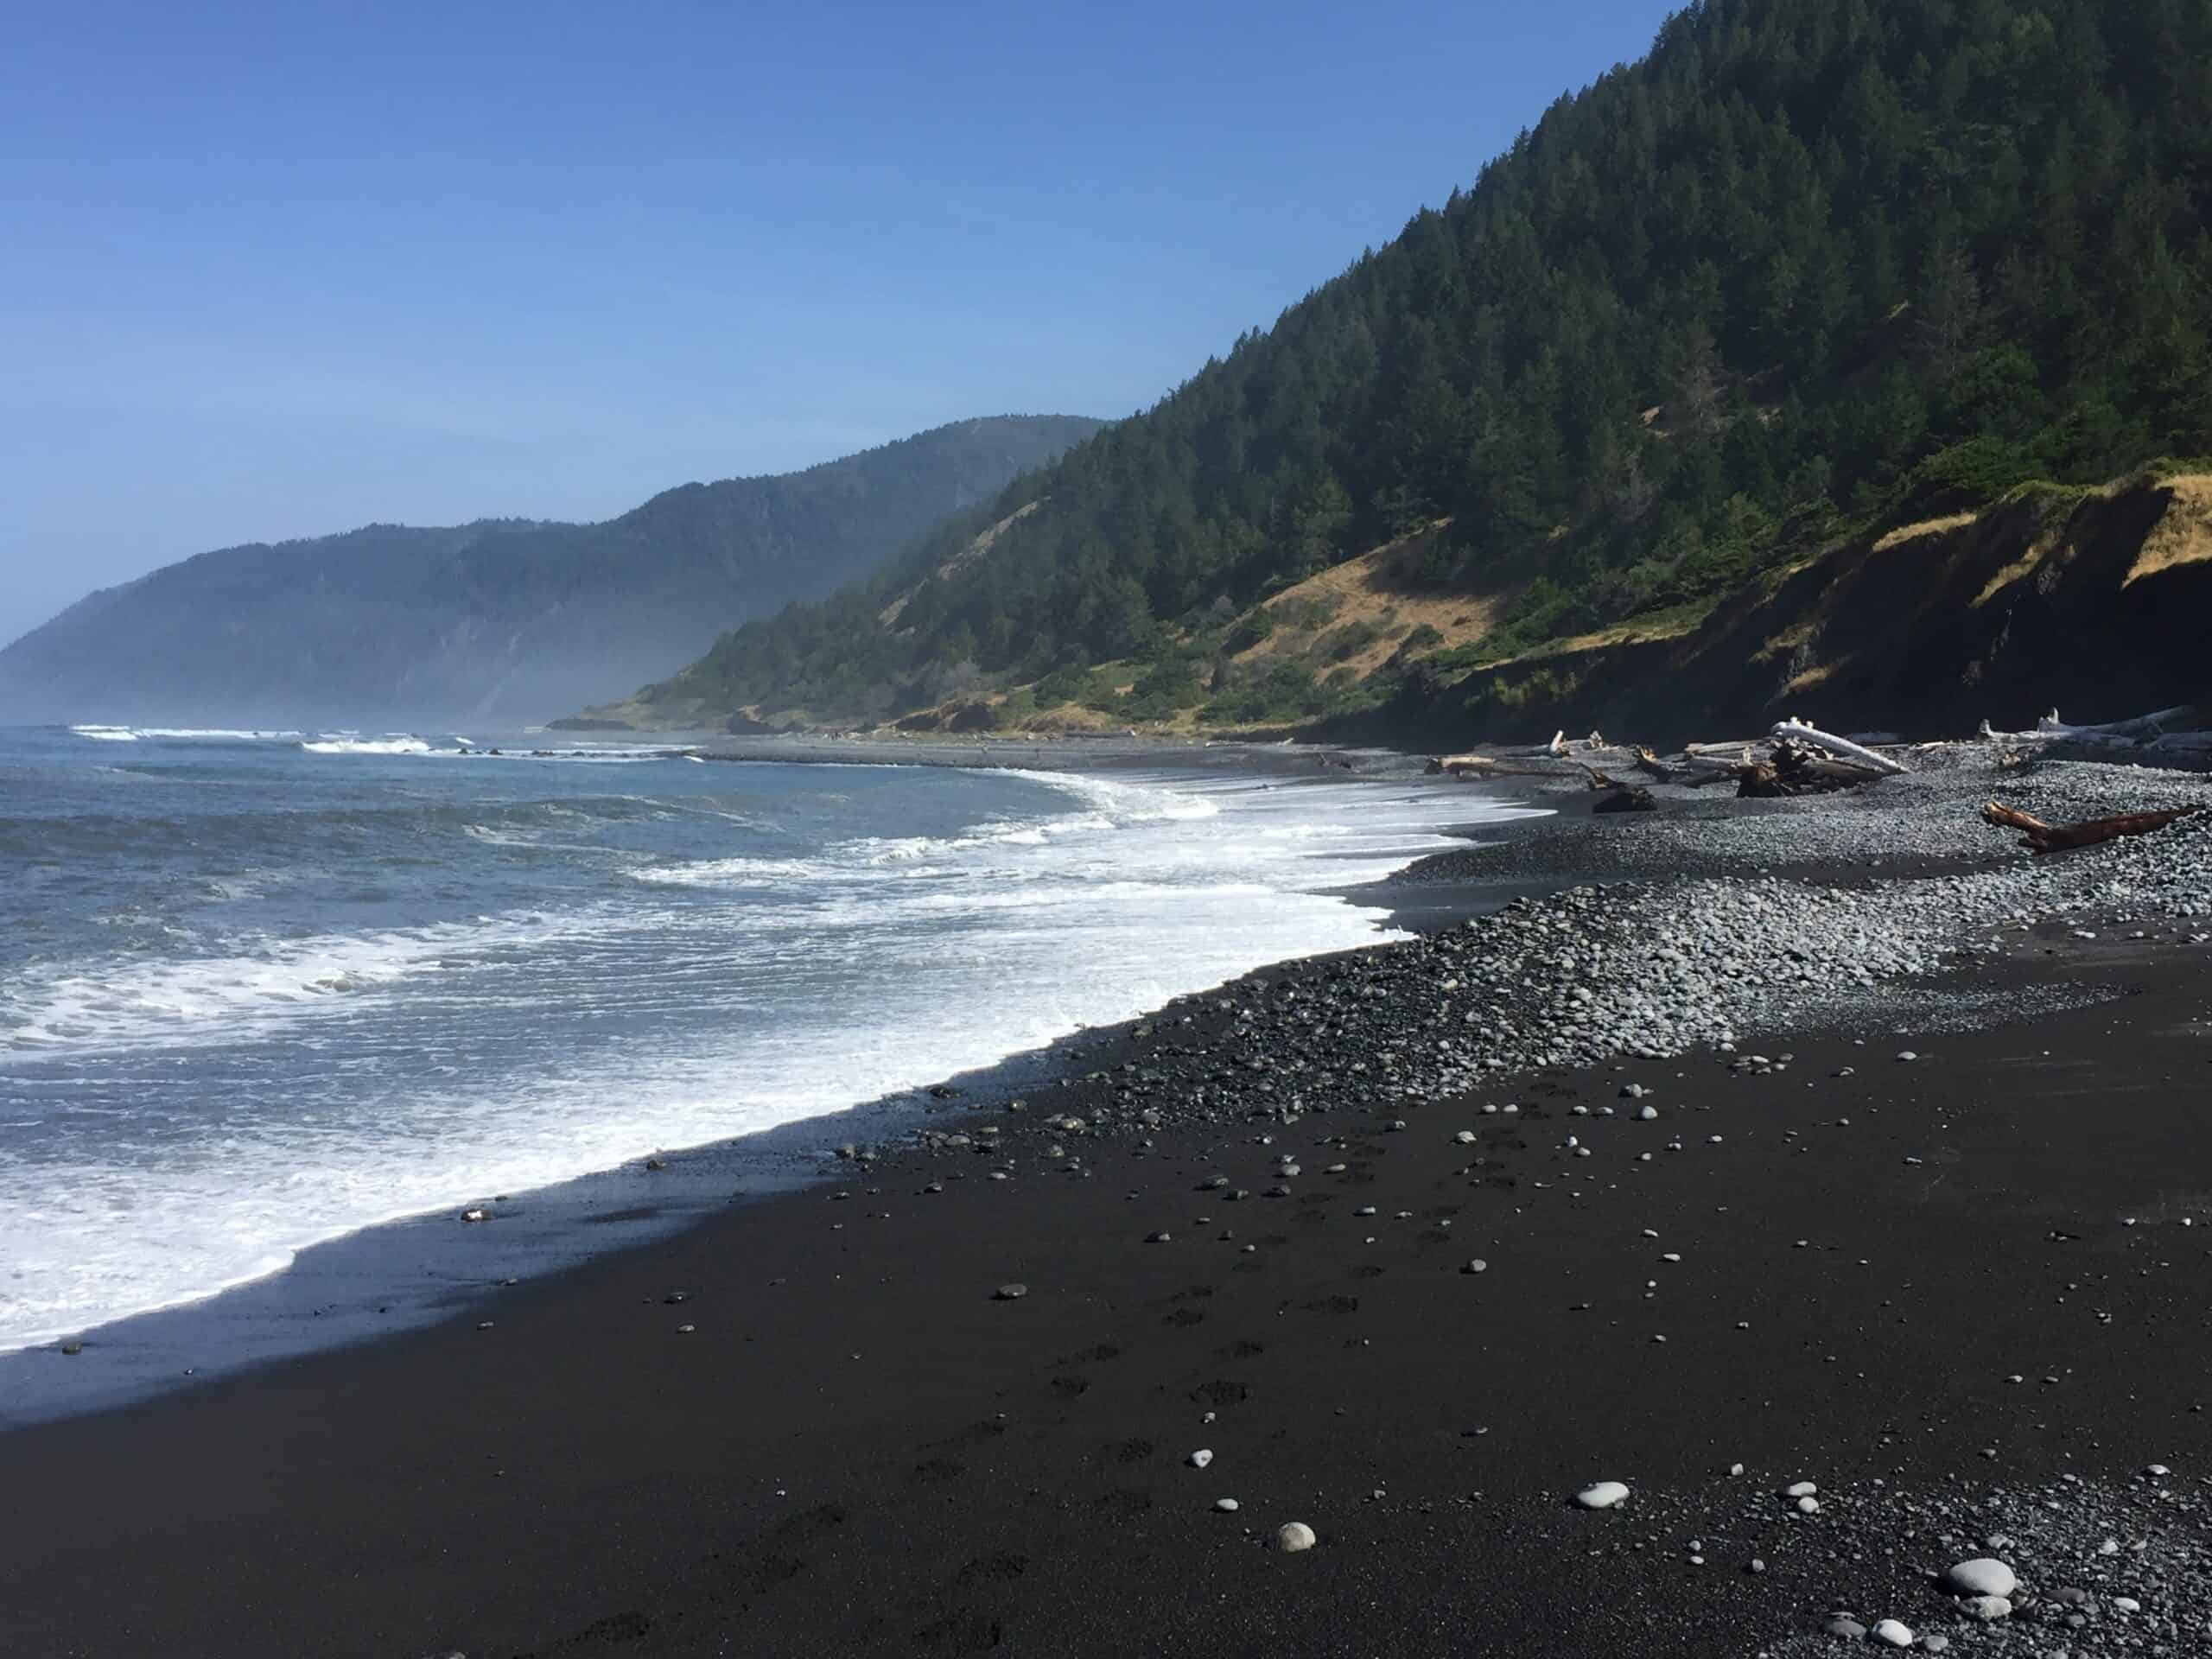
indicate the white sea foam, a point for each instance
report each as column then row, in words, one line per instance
column 419, row 1069
column 397, row 745
column 106, row 733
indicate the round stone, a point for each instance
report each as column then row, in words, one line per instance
column 1983, row 1576
column 1892, row 1633
column 1200, row 1458
column 1293, row 1537
column 1842, row 1624
column 1226, row 1505
column 1987, row 1609
column 1476, row 1265
column 1602, row 1495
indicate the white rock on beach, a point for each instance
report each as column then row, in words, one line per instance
column 1200, row 1458
column 1293, row 1537
column 1985, row 1575
column 1987, row 1609
column 1893, row 1634
column 1601, row 1495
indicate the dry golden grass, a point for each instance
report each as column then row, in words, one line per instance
column 1927, row 527
column 1373, row 589
column 2183, row 536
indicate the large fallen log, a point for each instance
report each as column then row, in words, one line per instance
column 1651, row 766
column 2041, row 837
column 1843, row 747
column 1461, row 765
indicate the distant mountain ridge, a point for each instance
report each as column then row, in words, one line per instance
column 500, row 620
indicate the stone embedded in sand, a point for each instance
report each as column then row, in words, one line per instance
column 1159, row 1238
column 1987, row 1609
column 1200, row 1458
column 1293, row 1537
column 1892, row 1633
column 1466, row 1137
column 1647, row 1113
column 2157, row 1471
column 1800, row 1489
column 1907, row 1055
column 1476, row 1265
column 1602, row 1495
column 1013, row 1293
column 1983, row 1576
column 1844, row 1626
column 1225, row 1505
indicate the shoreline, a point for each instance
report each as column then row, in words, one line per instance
column 397, row 1274
column 1026, row 1480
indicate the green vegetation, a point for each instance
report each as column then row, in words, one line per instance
column 1809, row 265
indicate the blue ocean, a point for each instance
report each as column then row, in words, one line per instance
column 261, row 990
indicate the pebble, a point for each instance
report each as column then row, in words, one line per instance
column 1987, row 1609
column 1226, row 1505
column 1465, row 1138
column 1647, row 1113
column 1601, row 1495
column 1893, row 1634
column 1200, row 1458
column 1802, row 1489
column 1983, row 1576
column 1293, row 1537
column 1013, row 1293
column 1158, row 1239
column 1844, row 1626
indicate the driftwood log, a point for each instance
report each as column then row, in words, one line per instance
column 1651, row 766
column 1798, row 768
column 1842, row 748
column 2041, row 837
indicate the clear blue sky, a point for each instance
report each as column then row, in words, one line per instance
column 281, row 268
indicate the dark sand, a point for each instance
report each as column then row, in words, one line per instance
column 858, row 1450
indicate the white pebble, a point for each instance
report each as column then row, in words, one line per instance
column 1293, row 1537
column 1983, row 1576
column 1226, row 1505
column 1894, row 1634
column 1601, row 1495
column 1200, row 1458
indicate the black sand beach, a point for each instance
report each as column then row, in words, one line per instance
column 1964, row 1294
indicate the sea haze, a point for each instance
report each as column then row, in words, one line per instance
column 261, row 990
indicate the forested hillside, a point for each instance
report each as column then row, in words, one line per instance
column 1811, row 266
column 503, row 619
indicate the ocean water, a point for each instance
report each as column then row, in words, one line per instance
column 261, row 990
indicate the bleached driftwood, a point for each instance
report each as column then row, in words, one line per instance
column 1651, row 766
column 2058, row 838
column 2170, row 735
column 1843, row 747
column 1459, row 765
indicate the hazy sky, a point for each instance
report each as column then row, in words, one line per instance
column 283, row 268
